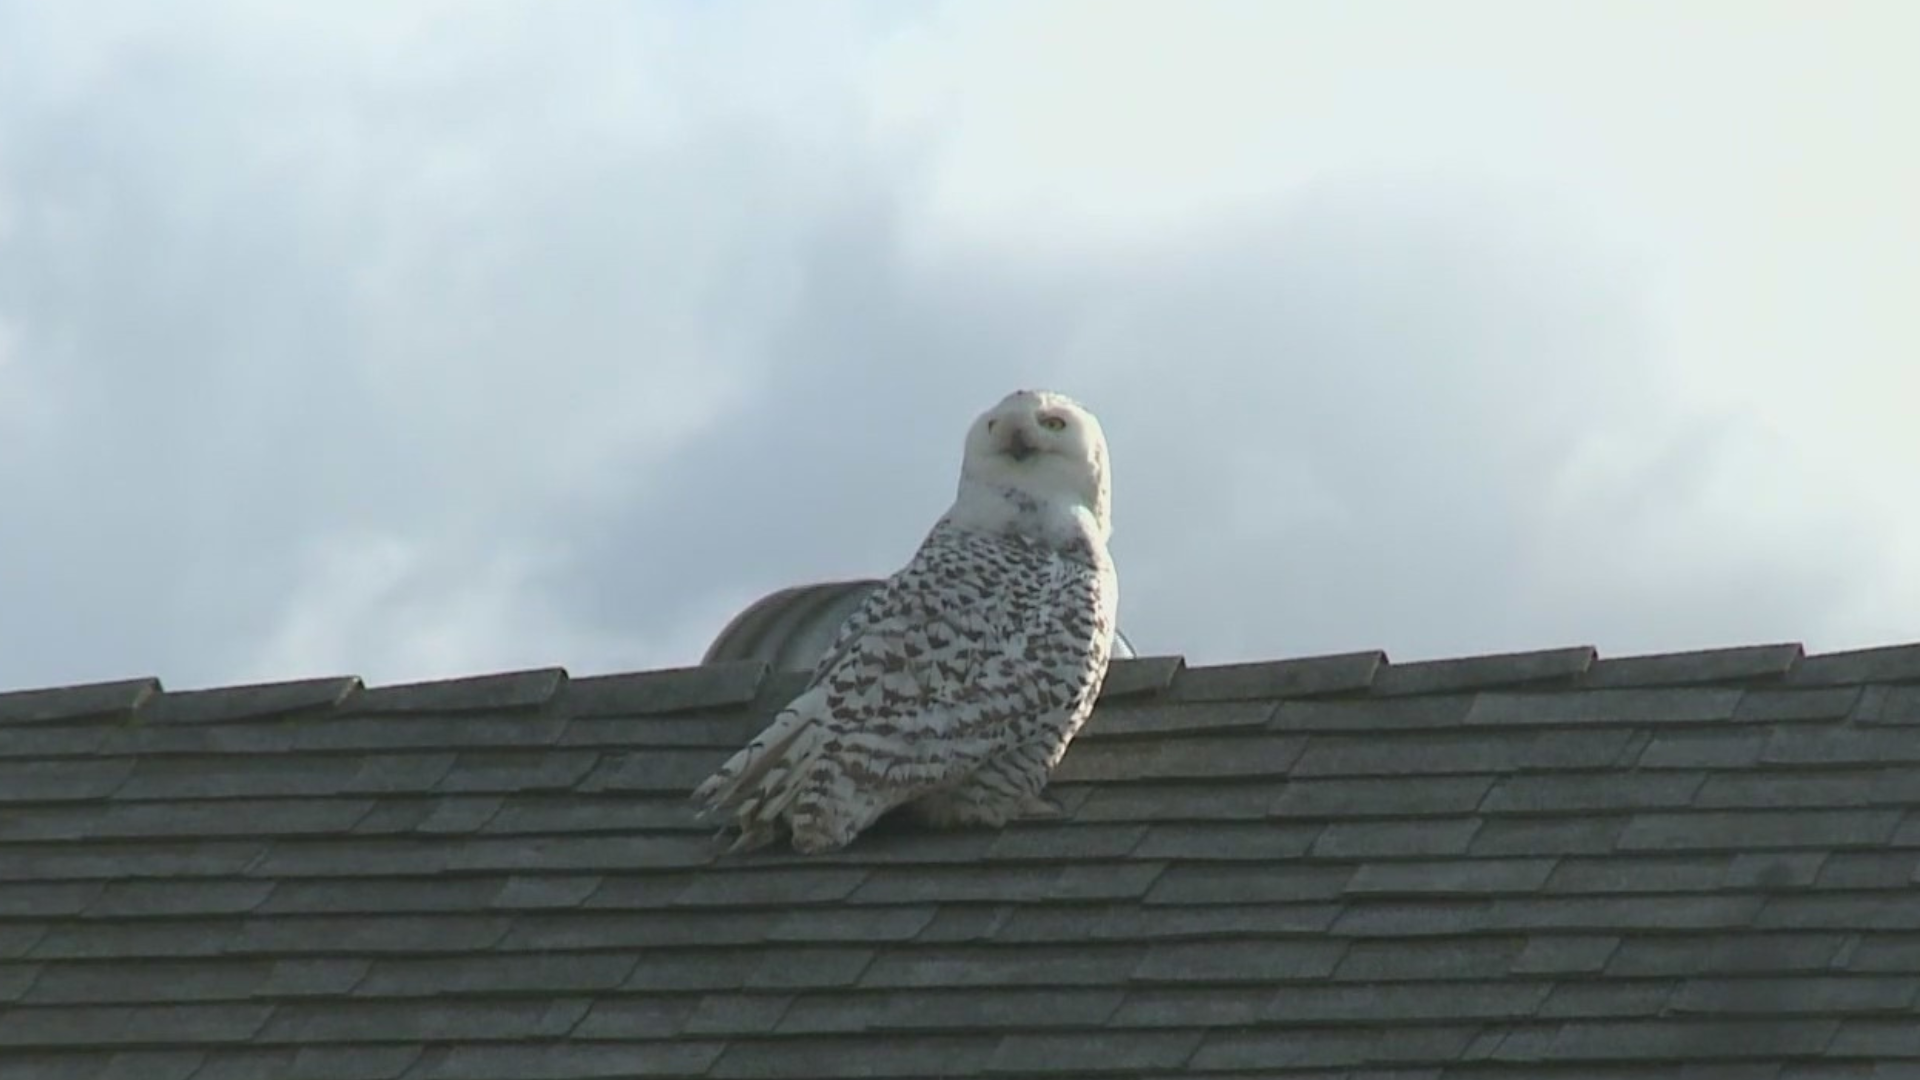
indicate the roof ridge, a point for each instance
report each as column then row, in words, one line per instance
column 735, row 684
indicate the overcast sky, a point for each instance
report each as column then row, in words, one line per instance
column 426, row 339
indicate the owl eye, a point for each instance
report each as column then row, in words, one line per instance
column 1054, row 423
column 990, row 424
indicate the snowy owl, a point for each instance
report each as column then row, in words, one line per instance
column 956, row 687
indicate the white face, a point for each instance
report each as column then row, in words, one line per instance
column 1044, row 444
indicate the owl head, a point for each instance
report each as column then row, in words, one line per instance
column 1043, row 445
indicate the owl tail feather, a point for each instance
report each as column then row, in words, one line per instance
column 757, row 785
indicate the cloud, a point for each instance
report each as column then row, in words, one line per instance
column 429, row 340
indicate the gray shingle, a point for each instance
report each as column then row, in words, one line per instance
column 322, row 896
column 1558, row 666
column 1893, row 705
column 1641, row 874
column 580, row 853
column 1306, row 677
column 664, row 969
column 1736, row 953
column 672, row 771
column 785, row 967
column 1614, row 999
column 1732, row 829
column 203, row 858
column 849, row 924
column 651, row 693
column 1405, row 755
column 506, row 692
column 1336, row 716
column 568, row 1061
column 1774, row 706
column 737, row 1014
column 148, row 898
column 1189, row 1007
column 319, row 1022
column 1410, row 919
column 1258, row 962
column 1839, row 911
column 125, row 1025
column 1360, row 797
column 1397, row 1003
column 116, row 981
column 1162, row 719
column 1689, row 705
column 636, row 1018
column 51, row 741
column 39, row 900
column 1274, row 1048
column 1844, row 746
column 1462, row 958
column 61, row 781
column 1176, row 802
column 583, row 930
column 317, row 977
column 81, row 702
column 1425, row 839
column 721, row 731
column 1139, row 676
column 344, row 1063
column 777, row 885
column 444, row 816
column 1731, row 749
column 1565, row 954
column 411, row 934
column 230, row 703
column 125, row 940
column 1868, row 870
column 915, row 885
column 1823, row 996
column 1249, row 883
column 1457, row 876
column 402, row 731
column 247, row 776
column 1082, row 965
column 226, row 817
column 576, row 813
column 866, row 1056
column 1879, row 1039
column 556, row 973
column 1060, row 923
column 15, row 979
column 1559, row 794
column 1051, row 843
column 1662, row 1040
column 1229, row 841
column 1893, row 663
column 1872, row 952
column 1743, row 664
column 1606, row 913
column 994, row 1009
column 1105, row 1051
column 20, row 940
column 1773, row 788
column 1773, row 870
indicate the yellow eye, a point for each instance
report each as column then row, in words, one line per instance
column 1053, row 423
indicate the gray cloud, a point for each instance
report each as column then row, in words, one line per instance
column 534, row 351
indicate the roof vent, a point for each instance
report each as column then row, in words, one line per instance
column 791, row 629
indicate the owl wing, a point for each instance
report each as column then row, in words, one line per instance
column 934, row 674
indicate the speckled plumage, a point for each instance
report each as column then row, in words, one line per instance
column 956, row 687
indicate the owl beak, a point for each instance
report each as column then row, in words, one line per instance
column 1018, row 448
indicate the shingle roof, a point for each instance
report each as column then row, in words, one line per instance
column 1542, row 865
